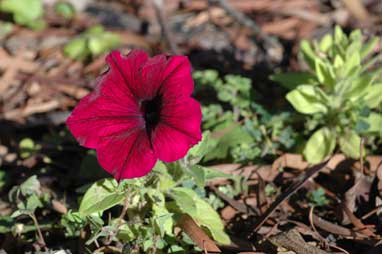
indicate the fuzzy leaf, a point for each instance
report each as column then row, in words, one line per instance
column 350, row 144
column 203, row 214
column 373, row 97
column 375, row 123
column 324, row 73
column 320, row 145
column 308, row 99
column 308, row 54
column 100, row 196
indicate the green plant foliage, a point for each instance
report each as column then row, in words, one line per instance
column 93, row 42
column 318, row 198
column 28, row 197
column 65, row 9
column 28, row 148
column 101, row 196
column 338, row 94
column 154, row 205
column 242, row 129
column 25, row 12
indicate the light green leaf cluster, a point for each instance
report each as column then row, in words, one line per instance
column 336, row 91
column 93, row 42
column 25, row 12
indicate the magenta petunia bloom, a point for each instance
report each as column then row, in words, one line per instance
column 140, row 111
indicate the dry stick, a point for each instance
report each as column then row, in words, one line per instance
column 41, row 239
column 124, row 209
column 243, row 208
column 322, row 239
column 375, row 210
column 242, row 19
column 311, row 214
column 357, row 222
column 120, row 219
column 158, row 6
column 357, row 8
column 301, row 180
column 334, row 228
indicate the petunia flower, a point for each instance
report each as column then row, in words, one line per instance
column 140, row 111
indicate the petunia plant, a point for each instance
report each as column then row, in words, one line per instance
column 155, row 204
column 340, row 93
column 139, row 115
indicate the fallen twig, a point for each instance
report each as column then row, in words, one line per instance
column 243, row 19
column 243, row 208
column 158, row 6
column 302, row 179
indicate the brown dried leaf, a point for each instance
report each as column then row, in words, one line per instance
column 197, row 235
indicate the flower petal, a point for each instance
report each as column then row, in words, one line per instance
column 151, row 77
column 177, row 79
column 178, row 130
column 141, row 74
column 127, row 156
column 126, row 69
column 105, row 112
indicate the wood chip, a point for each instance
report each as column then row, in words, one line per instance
column 293, row 241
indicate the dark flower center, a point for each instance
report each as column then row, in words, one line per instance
column 151, row 110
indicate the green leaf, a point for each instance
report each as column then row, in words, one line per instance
column 199, row 175
column 77, row 49
column 369, row 47
column 356, row 35
column 324, row 73
column 357, row 88
column 125, row 233
column 100, row 196
column 338, row 62
column 340, row 37
column 208, row 217
column 373, row 97
column 214, row 174
column 197, row 152
column 325, row 43
column 103, row 43
column 317, row 197
column 184, row 199
column 308, row 99
column 25, row 12
column 308, row 54
column 350, row 144
column 293, row 79
column 352, row 62
column 163, row 220
column 65, row 9
column 30, row 186
column 33, row 202
column 95, row 30
column 203, row 214
column 27, row 147
column 234, row 135
column 375, row 123
column 320, row 145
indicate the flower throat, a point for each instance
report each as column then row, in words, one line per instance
column 151, row 110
